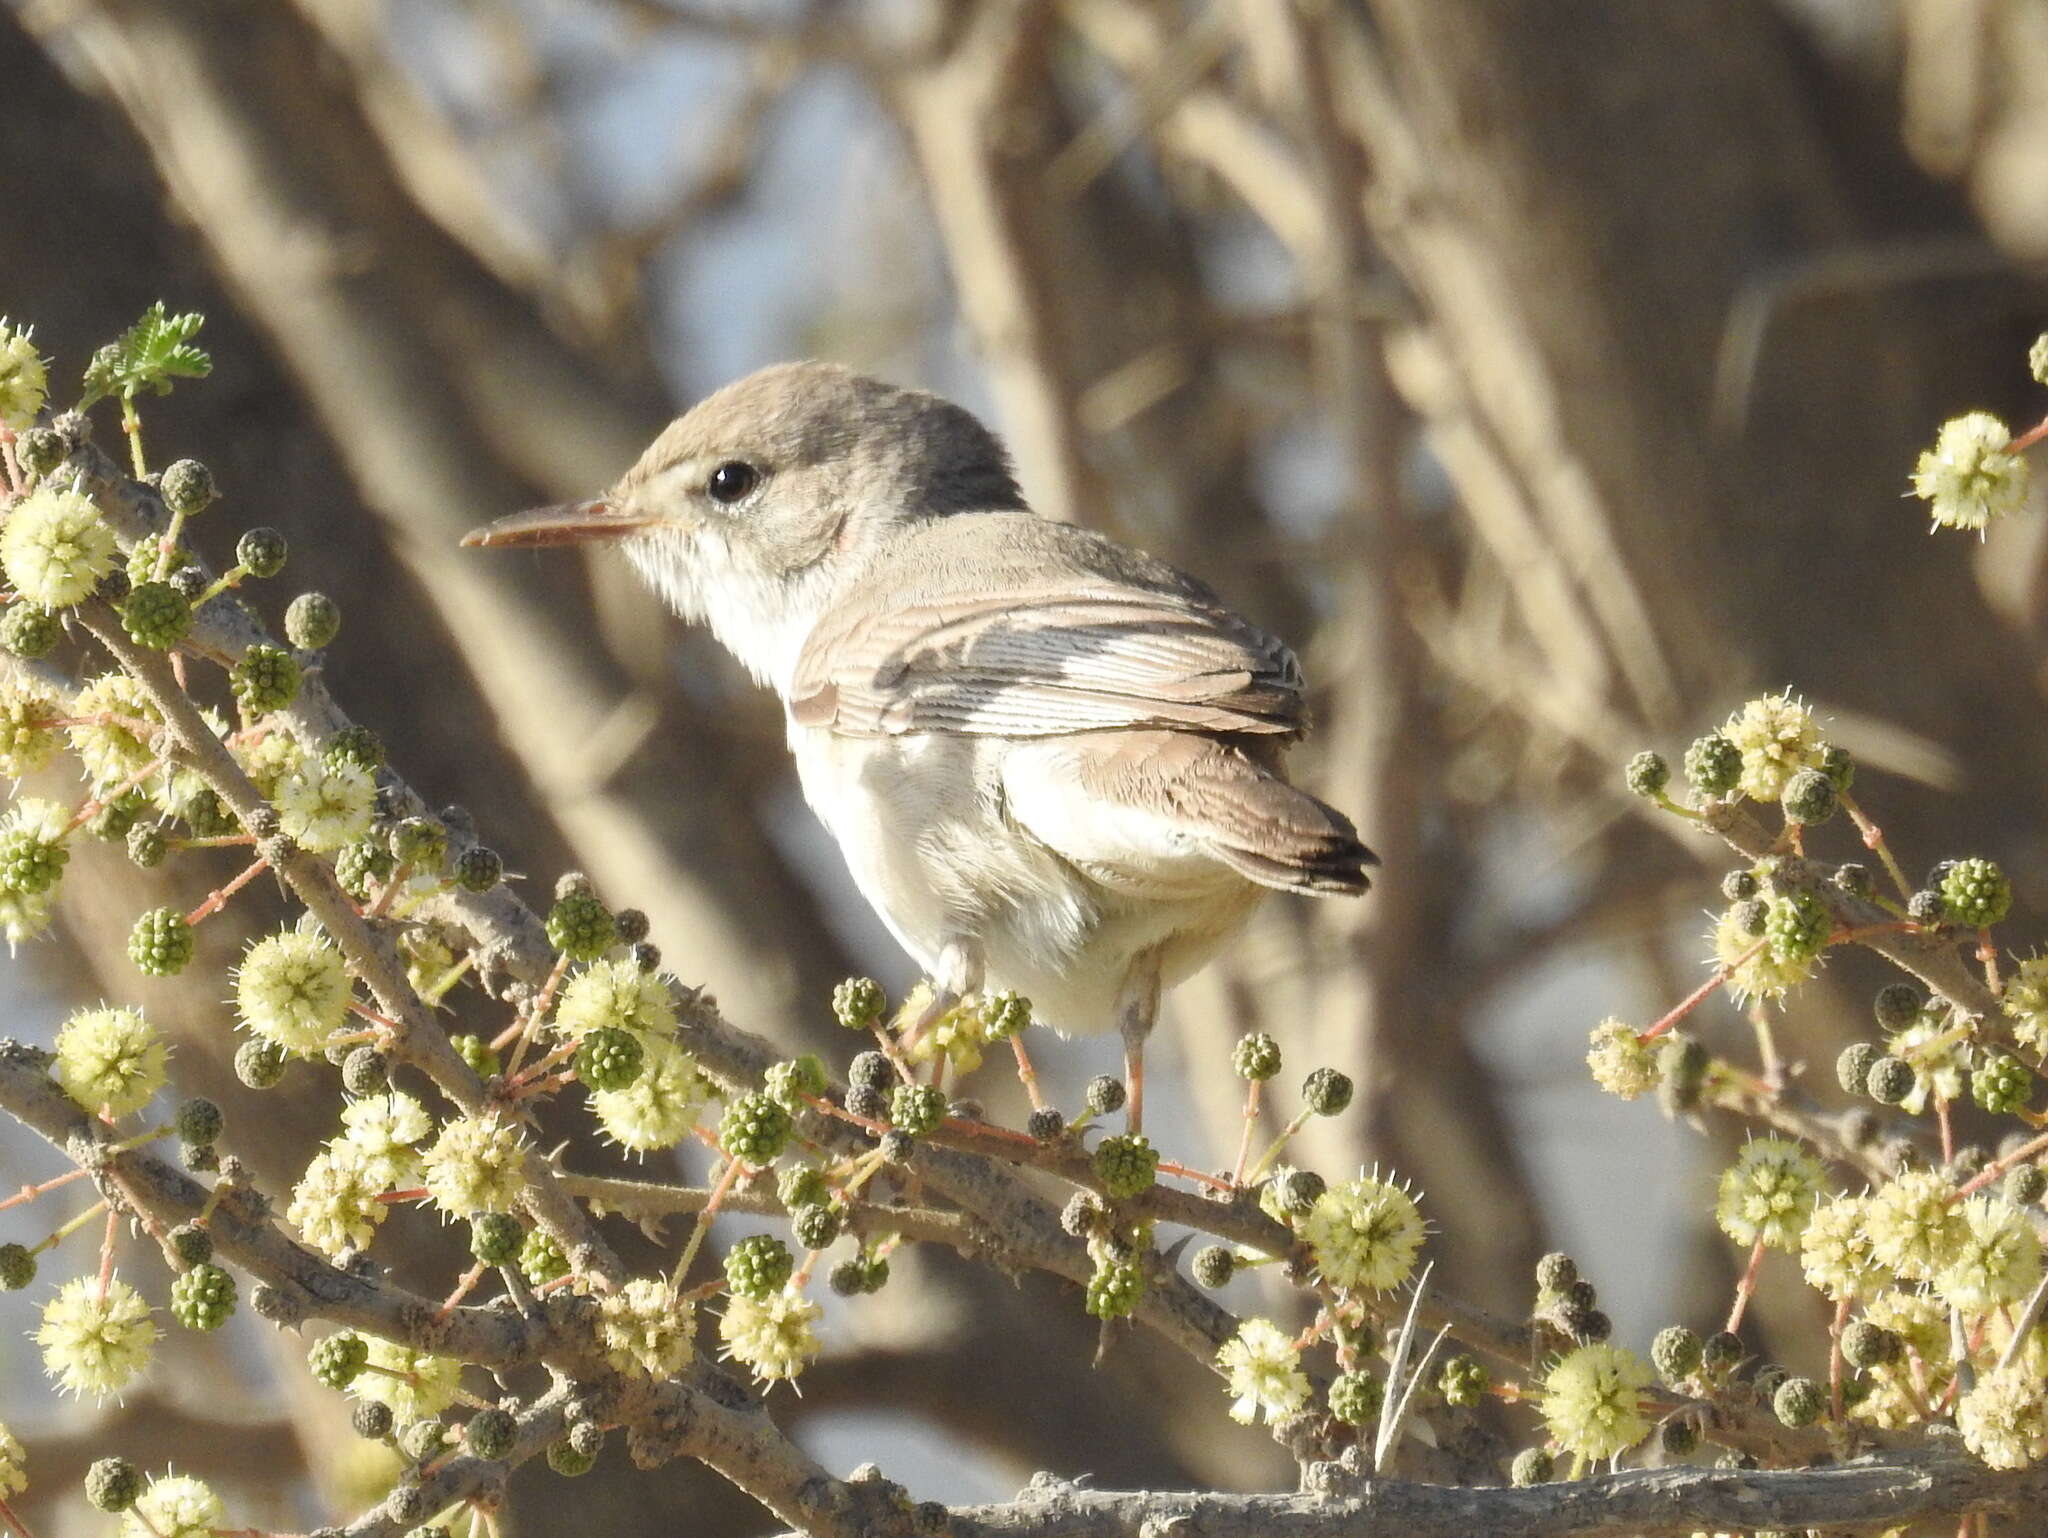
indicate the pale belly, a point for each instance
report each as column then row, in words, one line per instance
column 923, row 824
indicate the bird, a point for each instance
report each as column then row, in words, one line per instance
column 1053, row 763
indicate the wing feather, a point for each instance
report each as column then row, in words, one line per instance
column 1046, row 659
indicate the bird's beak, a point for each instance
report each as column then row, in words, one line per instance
column 568, row 523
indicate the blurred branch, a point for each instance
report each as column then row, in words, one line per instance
column 443, row 394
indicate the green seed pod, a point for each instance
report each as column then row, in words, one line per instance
column 1214, row 1266
column 858, row 1003
column 365, row 1071
column 1976, row 894
column 113, row 1484
column 1852, row 1068
column 203, row 1297
column 1115, row 1289
column 1326, row 1091
column 489, row 1433
column 1676, row 1353
column 311, row 621
column 1713, row 765
column 1256, row 1056
column 478, row 869
column 261, row 552
column 187, row 487
column 198, row 1121
column 495, row 1238
column 30, row 631
column 259, row 1063
column 1126, row 1165
column 610, row 1059
column 161, row 943
column 156, row 614
column 758, row 1266
column 581, row 927
column 1356, row 1397
column 1809, row 798
column 266, row 679
column 372, row 1420
column 1105, row 1095
column 754, row 1129
column 1647, row 775
column 146, row 846
column 917, row 1108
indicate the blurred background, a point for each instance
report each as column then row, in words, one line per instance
column 1548, row 371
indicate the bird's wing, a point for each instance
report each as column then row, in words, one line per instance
column 1078, row 653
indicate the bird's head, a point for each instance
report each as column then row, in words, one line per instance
column 755, row 509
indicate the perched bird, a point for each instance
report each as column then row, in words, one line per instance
column 1052, row 762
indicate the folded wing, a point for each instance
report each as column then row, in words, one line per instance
column 1041, row 653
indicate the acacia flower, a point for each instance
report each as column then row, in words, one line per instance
column 109, row 1060
column 1754, row 970
column 476, row 1165
column 620, row 995
column 1623, row 1064
column 658, row 1109
column 1365, row 1234
column 1263, row 1367
column 1835, row 1253
column 1969, row 477
column 2025, row 1002
column 96, row 1340
column 1915, row 1228
column 1768, row 1193
column 293, row 988
column 326, row 803
column 24, row 379
column 175, row 1506
column 27, row 739
column 54, row 547
column 388, row 1129
column 2004, row 1419
column 334, row 1206
column 1777, row 737
column 1921, row 1321
column 109, row 751
column 775, row 1336
column 1998, row 1260
column 1591, row 1400
column 646, row 1328
column 415, row 1384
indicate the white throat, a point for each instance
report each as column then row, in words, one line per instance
column 762, row 620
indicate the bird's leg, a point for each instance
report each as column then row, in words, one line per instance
column 955, row 974
column 1136, row 1010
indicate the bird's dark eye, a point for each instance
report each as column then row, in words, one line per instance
column 732, row 480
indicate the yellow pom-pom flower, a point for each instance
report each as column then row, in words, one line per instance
column 1263, row 1367
column 1969, row 477
column 1915, row 1226
column 96, row 1340
column 616, row 994
column 1622, row 1063
column 24, row 378
column 1998, row 1260
column 293, row 988
column 54, row 547
column 175, row 1506
column 415, row 1384
column 1835, row 1253
column 2004, row 1419
column 646, row 1328
column 334, row 1206
column 1592, row 1400
column 1768, row 1193
column 776, row 1336
column 326, row 803
column 1365, row 1234
column 476, row 1165
column 110, row 1060
column 658, row 1109
column 13, row 1464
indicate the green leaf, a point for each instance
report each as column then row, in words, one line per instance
column 150, row 354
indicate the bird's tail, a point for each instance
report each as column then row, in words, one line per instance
column 1270, row 832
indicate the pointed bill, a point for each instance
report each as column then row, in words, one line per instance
column 567, row 523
